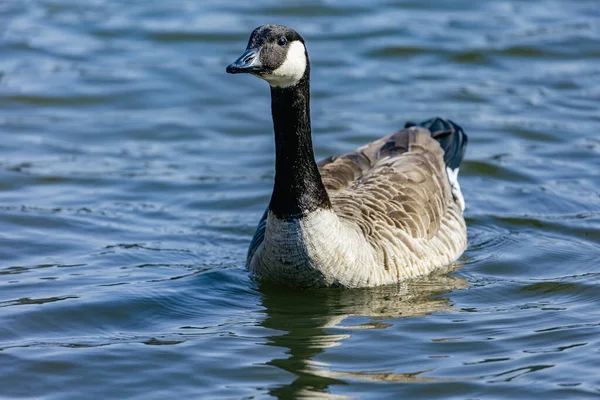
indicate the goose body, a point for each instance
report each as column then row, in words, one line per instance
column 389, row 211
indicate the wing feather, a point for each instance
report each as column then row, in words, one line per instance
column 399, row 181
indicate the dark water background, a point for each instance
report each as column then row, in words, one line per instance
column 133, row 171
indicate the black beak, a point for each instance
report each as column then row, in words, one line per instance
column 248, row 62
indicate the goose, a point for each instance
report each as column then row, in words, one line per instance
column 390, row 211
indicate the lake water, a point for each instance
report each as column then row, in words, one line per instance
column 133, row 171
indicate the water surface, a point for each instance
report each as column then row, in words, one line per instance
column 133, row 171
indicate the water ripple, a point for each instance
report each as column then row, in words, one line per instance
column 134, row 171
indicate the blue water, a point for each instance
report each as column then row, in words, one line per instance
column 133, row 171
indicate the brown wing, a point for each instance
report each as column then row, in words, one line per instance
column 399, row 180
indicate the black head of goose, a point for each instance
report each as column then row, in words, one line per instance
column 389, row 211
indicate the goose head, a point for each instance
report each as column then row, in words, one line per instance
column 276, row 54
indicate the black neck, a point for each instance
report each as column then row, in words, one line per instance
column 298, row 185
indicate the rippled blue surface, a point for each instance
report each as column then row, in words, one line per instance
column 133, row 171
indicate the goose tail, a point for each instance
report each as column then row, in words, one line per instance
column 450, row 136
column 454, row 143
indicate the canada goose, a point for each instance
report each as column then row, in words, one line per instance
column 389, row 211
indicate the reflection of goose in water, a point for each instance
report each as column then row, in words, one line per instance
column 308, row 326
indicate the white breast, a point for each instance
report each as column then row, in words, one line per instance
column 315, row 250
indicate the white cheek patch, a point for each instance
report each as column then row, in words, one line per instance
column 292, row 69
column 456, row 193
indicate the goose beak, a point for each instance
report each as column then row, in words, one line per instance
column 248, row 62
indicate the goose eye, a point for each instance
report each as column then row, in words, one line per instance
column 282, row 41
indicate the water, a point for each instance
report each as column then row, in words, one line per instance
column 134, row 170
